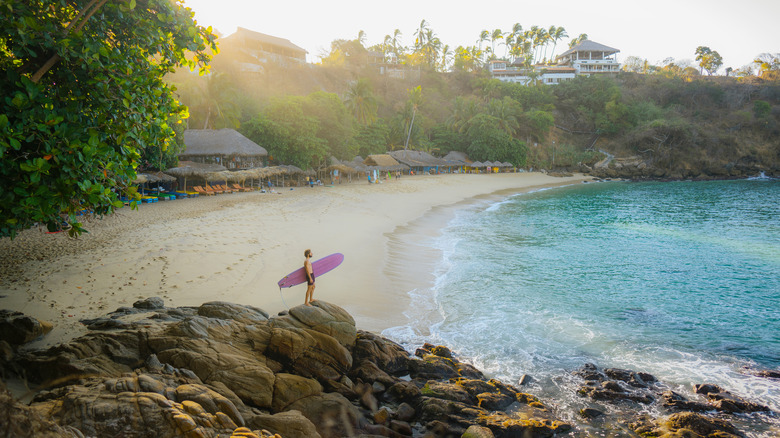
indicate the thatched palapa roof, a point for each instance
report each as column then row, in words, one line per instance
column 457, row 158
column 380, row 160
column 190, row 168
column 418, row 159
column 226, row 142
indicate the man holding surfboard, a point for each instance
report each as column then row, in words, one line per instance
column 309, row 278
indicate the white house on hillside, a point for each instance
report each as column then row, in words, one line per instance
column 586, row 58
column 253, row 49
column 589, row 57
column 517, row 73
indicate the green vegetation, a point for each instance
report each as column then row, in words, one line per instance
column 87, row 105
column 83, row 96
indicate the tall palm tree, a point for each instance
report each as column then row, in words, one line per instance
column 421, row 35
column 446, row 55
column 559, row 34
column 506, row 110
column 494, row 36
column 361, row 38
column 361, row 101
column 483, row 36
column 396, row 42
column 414, row 102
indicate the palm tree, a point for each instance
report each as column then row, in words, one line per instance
column 361, row 39
column 495, row 35
column 559, row 34
column 396, row 42
column 361, row 101
column 446, row 55
column 506, row 111
column 463, row 112
column 483, row 36
column 420, row 35
column 582, row 37
column 415, row 99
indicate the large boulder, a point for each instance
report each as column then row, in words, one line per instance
column 96, row 411
column 252, row 381
column 228, row 311
column 309, row 353
column 17, row 328
column 288, row 424
column 323, row 318
column 332, row 414
column 290, row 388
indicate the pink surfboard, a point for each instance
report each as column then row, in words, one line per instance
column 321, row 266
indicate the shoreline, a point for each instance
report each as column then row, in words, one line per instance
column 234, row 248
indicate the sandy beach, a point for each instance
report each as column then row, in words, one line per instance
column 235, row 247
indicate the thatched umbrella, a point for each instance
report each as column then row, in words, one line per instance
column 191, row 169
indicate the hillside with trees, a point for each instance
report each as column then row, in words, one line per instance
column 665, row 122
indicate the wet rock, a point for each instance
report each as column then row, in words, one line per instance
column 17, row 328
column 674, row 401
column 770, row 374
column 701, row 425
column 635, row 379
column 504, row 425
column 446, row 391
column 493, row 401
column 589, row 371
column 386, row 355
column 590, row 413
column 525, row 380
column 725, row 401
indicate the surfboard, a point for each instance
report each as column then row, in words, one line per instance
column 319, row 267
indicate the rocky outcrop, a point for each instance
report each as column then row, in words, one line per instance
column 626, row 391
column 222, row 370
column 638, row 168
column 226, row 370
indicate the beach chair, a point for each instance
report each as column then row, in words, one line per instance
column 213, row 189
column 243, row 189
column 202, row 191
column 225, row 188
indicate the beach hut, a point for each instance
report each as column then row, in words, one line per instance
column 420, row 162
column 457, row 160
column 476, row 167
column 381, row 162
column 226, row 147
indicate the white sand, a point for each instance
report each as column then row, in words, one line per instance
column 235, row 247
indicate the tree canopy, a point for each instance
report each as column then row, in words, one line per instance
column 83, row 97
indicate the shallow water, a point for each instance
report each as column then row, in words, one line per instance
column 681, row 280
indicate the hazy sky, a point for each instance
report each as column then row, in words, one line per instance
column 653, row 29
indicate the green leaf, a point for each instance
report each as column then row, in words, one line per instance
column 131, row 5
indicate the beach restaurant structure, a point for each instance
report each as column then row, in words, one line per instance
column 226, row 147
column 421, row 162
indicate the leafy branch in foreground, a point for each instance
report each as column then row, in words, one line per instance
column 83, row 96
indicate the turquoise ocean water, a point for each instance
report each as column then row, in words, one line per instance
column 680, row 279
